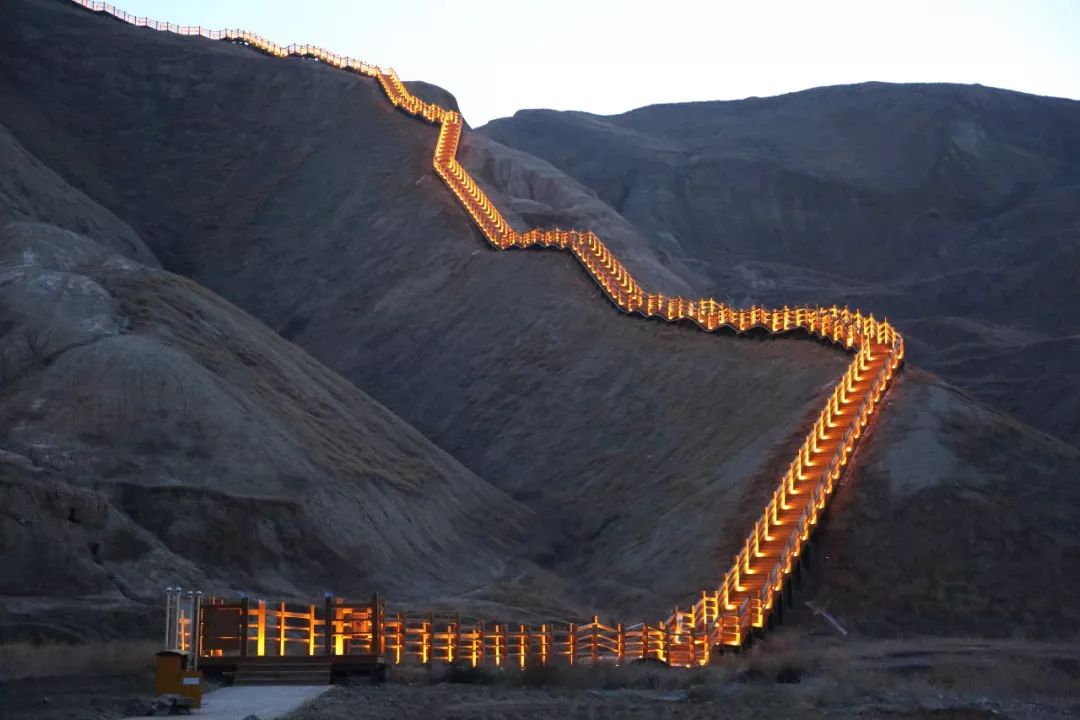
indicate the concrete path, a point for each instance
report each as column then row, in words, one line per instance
column 267, row 702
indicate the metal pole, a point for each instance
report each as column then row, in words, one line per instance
column 177, row 618
column 191, row 623
column 168, row 614
column 172, row 617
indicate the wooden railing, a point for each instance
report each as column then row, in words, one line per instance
column 747, row 593
column 253, row 628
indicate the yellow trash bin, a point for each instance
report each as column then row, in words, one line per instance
column 170, row 667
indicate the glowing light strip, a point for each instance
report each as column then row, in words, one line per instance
column 740, row 600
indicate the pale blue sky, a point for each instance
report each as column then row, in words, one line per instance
column 607, row 57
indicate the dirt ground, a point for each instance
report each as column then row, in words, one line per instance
column 933, row 679
column 75, row 698
column 788, row 675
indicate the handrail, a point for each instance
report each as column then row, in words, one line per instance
column 855, row 398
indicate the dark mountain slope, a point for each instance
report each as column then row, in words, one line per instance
column 153, row 433
column 959, row 521
column 953, row 210
column 296, row 192
column 30, row 191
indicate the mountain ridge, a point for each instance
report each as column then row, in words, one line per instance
column 472, row 401
column 953, row 203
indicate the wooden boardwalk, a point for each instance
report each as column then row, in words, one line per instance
column 746, row 596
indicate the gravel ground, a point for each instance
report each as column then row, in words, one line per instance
column 962, row 680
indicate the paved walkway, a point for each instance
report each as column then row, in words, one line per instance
column 267, row 702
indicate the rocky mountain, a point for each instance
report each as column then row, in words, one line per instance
column 155, row 434
column 951, row 209
column 310, row 204
column 320, row 295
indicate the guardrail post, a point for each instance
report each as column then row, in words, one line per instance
column 245, row 609
column 479, row 643
column 620, row 642
column 260, row 642
column 593, row 651
column 667, row 643
column 328, row 625
column 377, row 648
column 454, row 640
column 571, row 642
column 281, row 629
column 428, row 639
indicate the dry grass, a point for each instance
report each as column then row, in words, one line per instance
column 116, row 657
column 644, row 676
column 823, row 677
column 1015, row 677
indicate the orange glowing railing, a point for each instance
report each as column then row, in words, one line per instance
column 336, row 628
column 747, row 594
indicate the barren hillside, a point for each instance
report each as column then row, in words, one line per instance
column 612, row 463
column 155, row 434
column 951, row 209
column 295, row 192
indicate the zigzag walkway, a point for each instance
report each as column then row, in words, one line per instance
column 747, row 596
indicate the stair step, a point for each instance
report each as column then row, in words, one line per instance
column 283, row 681
column 278, row 667
column 282, row 678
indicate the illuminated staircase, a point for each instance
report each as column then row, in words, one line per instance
column 748, row 591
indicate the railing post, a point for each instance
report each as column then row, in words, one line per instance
column 457, row 638
column 260, row 643
column 328, row 625
column 595, row 631
column 498, row 645
column 571, row 642
column 479, row 643
column 245, row 609
column 281, row 629
column 377, row 648
column 428, row 639
column 543, row 645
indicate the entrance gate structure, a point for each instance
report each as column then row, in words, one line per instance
column 236, row 634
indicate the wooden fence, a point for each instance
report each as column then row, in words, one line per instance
column 251, row 628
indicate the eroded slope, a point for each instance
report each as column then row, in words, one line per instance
column 949, row 209
column 155, row 434
column 297, row 192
